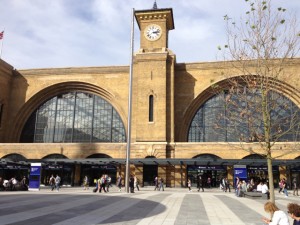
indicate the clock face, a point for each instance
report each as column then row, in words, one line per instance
column 152, row 32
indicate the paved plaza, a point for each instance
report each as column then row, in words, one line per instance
column 75, row 206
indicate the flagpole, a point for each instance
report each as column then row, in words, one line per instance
column 2, row 44
column 127, row 175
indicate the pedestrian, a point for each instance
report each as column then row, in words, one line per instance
column 161, row 184
column 119, row 182
column 156, row 183
column 101, row 184
column 24, row 183
column 131, row 184
column 224, row 185
column 85, row 183
column 284, row 187
column 200, row 183
column 189, row 184
column 294, row 212
column 295, row 186
column 1, row 184
column 227, row 185
column 280, row 186
column 136, row 183
column 239, row 189
column 278, row 217
column 57, row 182
column 108, row 182
column 208, row 182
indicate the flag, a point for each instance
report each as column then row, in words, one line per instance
column 1, row 35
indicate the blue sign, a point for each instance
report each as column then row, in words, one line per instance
column 35, row 176
column 240, row 171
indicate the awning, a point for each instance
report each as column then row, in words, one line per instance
column 163, row 162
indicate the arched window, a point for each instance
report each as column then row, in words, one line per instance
column 74, row 117
column 236, row 119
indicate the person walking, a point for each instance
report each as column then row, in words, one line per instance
column 200, row 183
column 227, row 184
column 52, row 182
column 85, row 183
column 136, row 183
column 208, row 182
column 284, row 188
column 119, row 182
column 189, row 184
column 131, row 184
column 101, row 184
column 108, row 182
column 295, row 186
column 280, row 186
column 57, row 182
column 156, row 183
column 161, row 184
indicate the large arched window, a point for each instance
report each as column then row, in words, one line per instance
column 74, row 117
column 227, row 118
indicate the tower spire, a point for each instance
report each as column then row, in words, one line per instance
column 154, row 5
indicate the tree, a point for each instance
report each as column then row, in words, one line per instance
column 256, row 106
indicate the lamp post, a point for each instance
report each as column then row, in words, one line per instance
column 129, row 106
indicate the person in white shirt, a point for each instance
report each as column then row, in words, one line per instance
column 265, row 190
column 259, row 186
column 278, row 216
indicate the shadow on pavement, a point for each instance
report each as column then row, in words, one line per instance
column 71, row 209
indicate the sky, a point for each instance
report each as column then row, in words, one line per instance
column 91, row 33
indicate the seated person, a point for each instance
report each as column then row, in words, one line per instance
column 259, row 186
column 265, row 190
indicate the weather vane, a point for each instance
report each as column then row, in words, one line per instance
column 154, row 5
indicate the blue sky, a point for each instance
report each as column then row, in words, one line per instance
column 81, row 33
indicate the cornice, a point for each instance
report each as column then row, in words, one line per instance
column 150, row 15
column 227, row 64
column 75, row 70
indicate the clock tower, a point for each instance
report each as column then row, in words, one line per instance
column 153, row 78
column 154, row 25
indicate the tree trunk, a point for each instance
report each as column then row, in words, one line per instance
column 271, row 180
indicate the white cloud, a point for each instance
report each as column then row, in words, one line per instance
column 64, row 33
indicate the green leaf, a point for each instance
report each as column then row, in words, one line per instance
column 219, row 48
column 282, row 21
column 247, row 12
column 265, row 7
column 254, row 47
column 273, row 39
column 279, row 9
column 226, row 46
column 283, row 10
column 264, row 2
column 253, row 26
column 252, row 9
